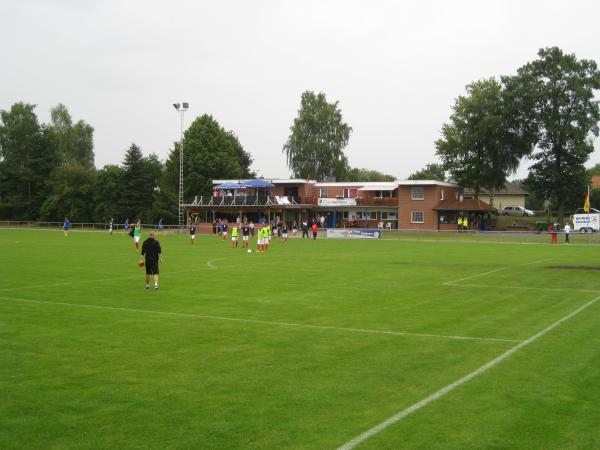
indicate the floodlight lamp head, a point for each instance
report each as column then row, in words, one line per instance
column 186, row 105
column 176, row 106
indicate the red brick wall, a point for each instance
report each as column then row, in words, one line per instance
column 406, row 205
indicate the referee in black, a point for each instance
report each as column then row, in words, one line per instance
column 152, row 251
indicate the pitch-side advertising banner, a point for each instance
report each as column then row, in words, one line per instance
column 353, row 233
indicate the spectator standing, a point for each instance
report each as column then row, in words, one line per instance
column 554, row 232
column 315, row 230
column 459, row 223
column 567, row 232
column 294, row 229
column 304, row 229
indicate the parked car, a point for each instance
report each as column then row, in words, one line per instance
column 516, row 211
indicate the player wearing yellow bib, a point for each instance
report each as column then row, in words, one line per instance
column 266, row 237
column 259, row 239
column 234, row 236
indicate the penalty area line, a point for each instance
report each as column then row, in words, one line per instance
column 262, row 322
column 446, row 389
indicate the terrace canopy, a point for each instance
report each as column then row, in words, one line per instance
column 231, row 185
column 258, row 183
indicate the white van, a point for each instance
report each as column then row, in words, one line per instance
column 584, row 222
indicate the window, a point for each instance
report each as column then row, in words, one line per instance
column 388, row 215
column 366, row 215
column 441, row 194
column 417, row 217
column 418, row 193
column 449, row 218
column 323, row 193
column 350, row 193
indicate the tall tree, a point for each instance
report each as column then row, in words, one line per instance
column 71, row 190
column 27, row 156
column 75, row 142
column 481, row 145
column 315, row 146
column 356, row 174
column 554, row 97
column 209, row 152
column 433, row 171
column 138, row 185
column 108, row 193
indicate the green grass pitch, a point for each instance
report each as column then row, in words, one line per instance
column 305, row 347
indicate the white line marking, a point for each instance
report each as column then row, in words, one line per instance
column 411, row 409
column 527, row 288
column 264, row 322
column 448, row 283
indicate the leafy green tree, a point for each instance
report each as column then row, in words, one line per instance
column 594, row 171
column 210, row 153
column 481, row 145
column 356, row 174
column 533, row 201
column 75, row 142
column 71, row 194
column 107, row 193
column 139, row 184
column 431, row 171
column 27, row 156
column 554, row 97
column 315, row 146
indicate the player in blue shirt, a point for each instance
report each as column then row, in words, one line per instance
column 66, row 226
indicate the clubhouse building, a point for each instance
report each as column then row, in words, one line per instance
column 403, row 205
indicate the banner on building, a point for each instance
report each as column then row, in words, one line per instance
column 353, row 233
column 337, row 201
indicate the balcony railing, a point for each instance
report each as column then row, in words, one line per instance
column 273, row 200
column 247, row 200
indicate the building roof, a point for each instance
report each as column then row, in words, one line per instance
column 425, row 183
column 509, row 188
column 384, row 185
column 468, row 204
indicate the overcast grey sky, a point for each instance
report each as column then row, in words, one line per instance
column 394, row 67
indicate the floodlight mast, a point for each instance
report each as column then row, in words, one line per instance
column 181, row 109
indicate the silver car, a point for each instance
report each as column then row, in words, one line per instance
column 516, row 211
